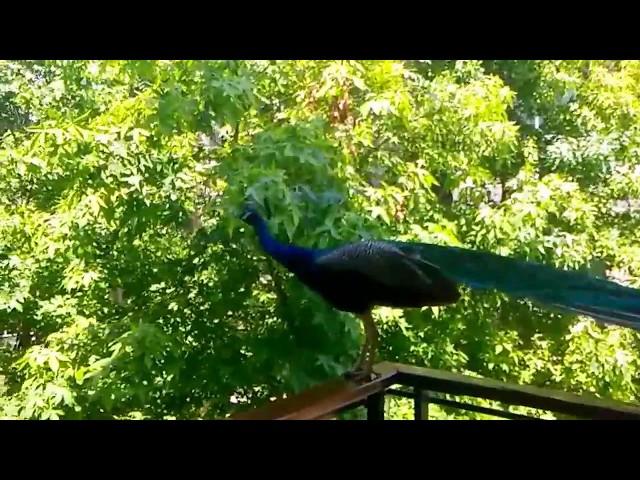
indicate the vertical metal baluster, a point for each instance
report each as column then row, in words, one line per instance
column 420, row 404
column 375, row 406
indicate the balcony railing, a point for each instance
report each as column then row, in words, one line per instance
column 426, row 386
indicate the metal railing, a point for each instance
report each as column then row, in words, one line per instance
column 428, row 386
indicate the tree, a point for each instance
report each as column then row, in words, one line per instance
column 134, row 291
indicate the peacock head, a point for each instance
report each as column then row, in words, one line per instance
column 250, row 215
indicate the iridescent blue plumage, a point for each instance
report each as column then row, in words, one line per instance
column 356, row 277
column 360, row 276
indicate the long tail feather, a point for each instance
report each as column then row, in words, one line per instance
column 571, row 291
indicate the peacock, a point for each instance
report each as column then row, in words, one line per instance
column 357, row 277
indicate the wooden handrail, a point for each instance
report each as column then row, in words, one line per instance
column 324, row 400
column 583, row 406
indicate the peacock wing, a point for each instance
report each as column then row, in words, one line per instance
column 383, row 263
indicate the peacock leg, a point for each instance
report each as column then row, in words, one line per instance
column 364, row 350
column 358, row 369
column 372, row 341
column 364, row 365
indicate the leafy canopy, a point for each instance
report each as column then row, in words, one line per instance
column 129, row 289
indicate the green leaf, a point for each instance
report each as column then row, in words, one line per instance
column 379, row 212
column 79, row 375
column 54, row 364
column 133, row 180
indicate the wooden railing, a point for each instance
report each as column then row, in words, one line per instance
column 427, row 386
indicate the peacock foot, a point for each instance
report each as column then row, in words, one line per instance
column 359, row 375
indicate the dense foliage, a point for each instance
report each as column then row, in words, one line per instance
column 129, row 289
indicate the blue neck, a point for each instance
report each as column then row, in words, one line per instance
column 291, row 256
